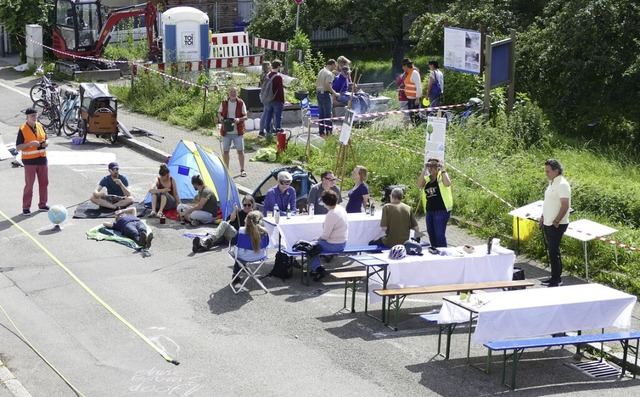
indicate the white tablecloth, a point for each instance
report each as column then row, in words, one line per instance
column 456, row 268
column 362, row 229
column 541, row 311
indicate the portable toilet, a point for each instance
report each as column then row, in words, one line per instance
column 185, row 35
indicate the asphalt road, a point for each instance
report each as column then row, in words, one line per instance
column 294, row 341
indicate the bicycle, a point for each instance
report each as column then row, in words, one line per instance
column 43, row 87
column 44, row 95
column 70, row 112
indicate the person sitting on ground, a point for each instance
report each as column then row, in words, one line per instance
column 204, row 208
column 397, row 221
column 117, row 195
column 226, row 230
column 359, row 195
column 131, row 227
column 164, row 193
column 327, row 181
column 256, row 232
column 335, row 232
column 282, row 195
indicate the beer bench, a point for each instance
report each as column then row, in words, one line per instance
column 517, row 348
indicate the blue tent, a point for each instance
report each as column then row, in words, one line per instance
column 189, row 159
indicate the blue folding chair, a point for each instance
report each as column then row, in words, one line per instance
column 244, row 241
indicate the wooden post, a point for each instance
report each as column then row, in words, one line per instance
column 511, row 93
column 487, row 76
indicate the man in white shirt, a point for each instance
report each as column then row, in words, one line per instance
column 555, row 217
column 335, row 232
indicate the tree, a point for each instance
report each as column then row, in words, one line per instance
column 276, row 19
column 15, row 14
column 580, row 61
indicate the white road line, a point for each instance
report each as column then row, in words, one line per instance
column 15, row 90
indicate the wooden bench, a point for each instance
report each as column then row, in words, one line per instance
column 517, row 347
column 350, row 281
column 372, row 89
column 397, row 295
column 348, row 250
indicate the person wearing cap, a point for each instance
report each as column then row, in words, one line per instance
column 233, row 109
column 32, row 141
column 117, row 195
column 412, row 87
column 282, row 195
column 325, row 94
column 341, row 84
column 327, row 182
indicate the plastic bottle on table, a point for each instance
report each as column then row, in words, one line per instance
column 276, row 213
column 288, row 211
column 311, row 210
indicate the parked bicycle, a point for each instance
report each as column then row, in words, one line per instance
column 45, row 96
column 70, row 112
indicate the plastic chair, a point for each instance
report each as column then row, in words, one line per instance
column 244, row 241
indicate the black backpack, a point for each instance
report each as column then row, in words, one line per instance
column 282, row 267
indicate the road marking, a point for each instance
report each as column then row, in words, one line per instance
column 15, row 90
column 90, row 292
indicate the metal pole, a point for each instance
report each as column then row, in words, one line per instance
column 297, row 17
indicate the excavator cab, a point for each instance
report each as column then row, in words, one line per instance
column 78, row 26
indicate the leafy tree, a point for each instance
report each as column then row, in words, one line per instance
column 581, row 62
column 15, row 14
column 276, row 19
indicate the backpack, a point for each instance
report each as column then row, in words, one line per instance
column 266, row 91
column 436, row 90
column 282, row 267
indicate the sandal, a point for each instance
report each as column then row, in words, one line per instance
column 243, row 173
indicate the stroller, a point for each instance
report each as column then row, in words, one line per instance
column 302, row 182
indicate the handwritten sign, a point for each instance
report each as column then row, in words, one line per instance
column 166, row 381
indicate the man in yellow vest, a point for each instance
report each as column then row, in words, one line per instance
column 412, row 87
column 32, row 141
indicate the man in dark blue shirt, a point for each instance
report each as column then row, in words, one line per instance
column 131, row 227
column 117, row 195
column 282, row 195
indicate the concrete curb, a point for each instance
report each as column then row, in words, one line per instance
column 11, row 383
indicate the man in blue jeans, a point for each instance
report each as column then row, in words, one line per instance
column 555, row 217
column 325, row 95
column 273, row 109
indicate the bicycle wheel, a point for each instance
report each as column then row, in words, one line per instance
column 46, row 116
column 70, row 122
column 37, row 92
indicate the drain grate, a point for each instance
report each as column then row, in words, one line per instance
column 597, row 369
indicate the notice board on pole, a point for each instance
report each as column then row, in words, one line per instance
column 500, row 62
column 462, row 50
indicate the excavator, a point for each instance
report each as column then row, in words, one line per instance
column 82, row 31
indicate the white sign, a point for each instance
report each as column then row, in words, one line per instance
column 462, row 50
column 345, row 131
column 435, row 140
column 188, row 41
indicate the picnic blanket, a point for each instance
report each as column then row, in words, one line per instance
column 89, row 210
column 101, row 233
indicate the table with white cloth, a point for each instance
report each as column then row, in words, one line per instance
column 538, row 311
column 457, row 267
column 585, row 230
column 362, row 229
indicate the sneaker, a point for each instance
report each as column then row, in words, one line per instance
column 45, row 208
column 546, row 281
column 195, row 222
column 149, row 239
column 235, row 280
column 320, row 274
column 26, row 212
column 554, row 284
column 196, row 245
column 142, row 240
column 152, row 214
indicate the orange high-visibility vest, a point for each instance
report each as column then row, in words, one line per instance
column 410, row 89
column 31, row 153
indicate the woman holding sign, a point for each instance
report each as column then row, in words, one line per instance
column 439, row 201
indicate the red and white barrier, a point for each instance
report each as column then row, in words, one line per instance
column 272, row 45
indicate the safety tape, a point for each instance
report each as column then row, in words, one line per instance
column 90, row 292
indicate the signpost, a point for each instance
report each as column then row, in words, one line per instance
column 298, row 2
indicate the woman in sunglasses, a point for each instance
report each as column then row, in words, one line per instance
column 226, row 230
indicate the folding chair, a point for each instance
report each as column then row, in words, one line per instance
column 244, row 241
